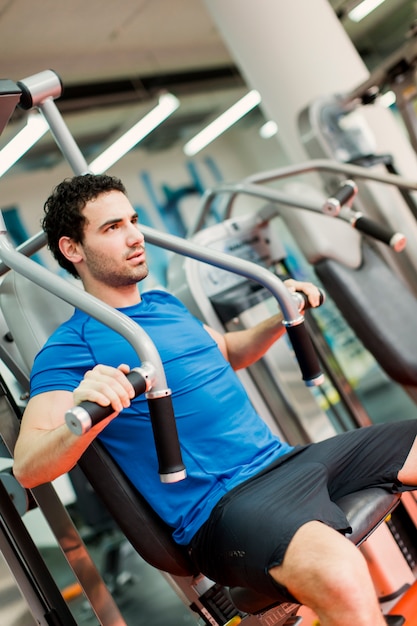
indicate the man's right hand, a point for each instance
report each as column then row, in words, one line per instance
column 106, row 386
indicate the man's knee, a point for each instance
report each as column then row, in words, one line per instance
column 320, row 562
column 408, row 473
column 325, row 571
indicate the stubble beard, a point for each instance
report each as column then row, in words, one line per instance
column 103, row 270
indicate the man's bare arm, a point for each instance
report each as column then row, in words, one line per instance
column 46, row 448
column 244, row 347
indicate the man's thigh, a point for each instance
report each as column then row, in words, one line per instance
column 252, row 526
column 365, row 457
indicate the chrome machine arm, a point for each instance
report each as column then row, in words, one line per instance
column 250, row 186
column 40, row 91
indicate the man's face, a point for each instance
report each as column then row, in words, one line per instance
column 113, row 246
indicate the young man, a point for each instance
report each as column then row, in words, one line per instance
column 253, row 510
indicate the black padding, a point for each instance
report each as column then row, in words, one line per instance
column 394, row 620
column 143, row 528
column 379, row 308
column 254, row 602
column 366, row 510
column 152, row 538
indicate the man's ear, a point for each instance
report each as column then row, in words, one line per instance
column 70, row 249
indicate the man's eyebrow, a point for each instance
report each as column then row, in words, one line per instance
column 115, row 220
column 109, row 222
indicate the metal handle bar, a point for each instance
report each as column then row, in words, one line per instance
column 315, row 165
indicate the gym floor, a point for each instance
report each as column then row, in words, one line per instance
column 143, row 595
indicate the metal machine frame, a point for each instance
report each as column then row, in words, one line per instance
column 40, row 91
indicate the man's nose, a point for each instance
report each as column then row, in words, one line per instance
column 135, row 236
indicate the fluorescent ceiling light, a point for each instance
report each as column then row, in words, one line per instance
column 387, row 99
column 363, row 9
column 222, row 123
column 36, row 126
column 167, row 104
column 269, row 129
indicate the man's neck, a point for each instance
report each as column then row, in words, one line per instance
column 116, row 297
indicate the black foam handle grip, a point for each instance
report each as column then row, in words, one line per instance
column 84, row 416
column 343, row 195
column 345, row 192
column 305, row 354
column 171, row 468
column 397, row 241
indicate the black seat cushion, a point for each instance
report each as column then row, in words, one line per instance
column 152, row 538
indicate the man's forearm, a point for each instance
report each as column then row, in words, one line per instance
column 46, row 455
column 40, row 456
column 245, row 347
column 46, row 448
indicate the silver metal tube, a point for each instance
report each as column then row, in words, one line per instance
column 38, row 87
column 75, row 296
column 63, row 137
column 325, row 165
column 242, row 267
column 29, row 247
column 265, row 193
column 187, row 248
column 315, row 165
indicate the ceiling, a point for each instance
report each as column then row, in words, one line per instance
column 114, row 62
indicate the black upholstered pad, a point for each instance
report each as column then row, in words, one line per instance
column 145, row 530
column 379, row 308
column 151, row 537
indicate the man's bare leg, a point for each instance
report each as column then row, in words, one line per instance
column 408, row 473
column 326, row 572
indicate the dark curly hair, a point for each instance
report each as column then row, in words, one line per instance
column 64, row 210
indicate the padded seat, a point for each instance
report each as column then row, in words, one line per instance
column 152, row 538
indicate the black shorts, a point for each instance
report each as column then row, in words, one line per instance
column 250, row 528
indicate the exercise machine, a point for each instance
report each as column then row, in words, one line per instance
column 339, row 128
column 146, row 532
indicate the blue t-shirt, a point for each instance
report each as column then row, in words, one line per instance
column 223, row 440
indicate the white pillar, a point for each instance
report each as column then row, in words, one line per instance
column 291, row 51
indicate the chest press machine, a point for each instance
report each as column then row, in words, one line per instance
column 30, row 293
column 371, row 294
column 142, row 527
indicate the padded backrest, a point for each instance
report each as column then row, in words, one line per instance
column 370, row 295
column 379, row 308
column 32, row 314
column 145, row 530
